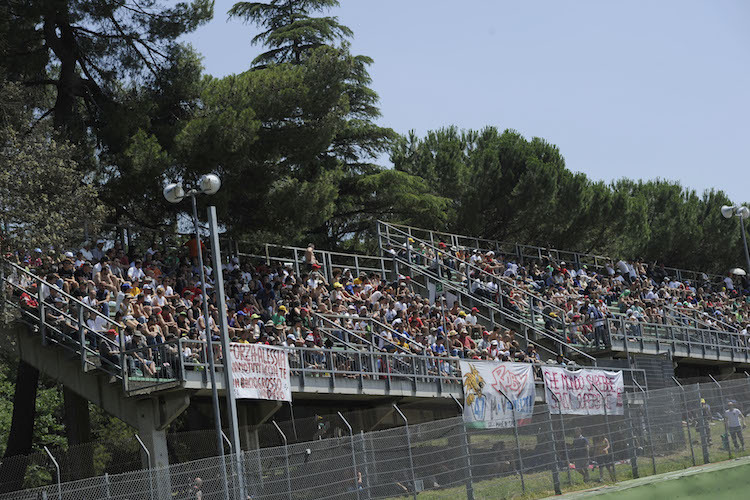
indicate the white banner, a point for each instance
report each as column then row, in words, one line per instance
column 260, row 372
column 484, row 385
column 574, row 392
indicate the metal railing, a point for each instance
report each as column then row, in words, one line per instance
column 497, row 301
column 678, row 340
column 531, row 252
column 64, row 323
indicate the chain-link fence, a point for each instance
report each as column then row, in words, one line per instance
column 660, row 431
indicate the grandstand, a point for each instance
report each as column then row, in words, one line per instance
column 120, row 325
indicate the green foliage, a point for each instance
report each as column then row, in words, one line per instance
column 44, row 196
column 288, row 29
column 505, row 187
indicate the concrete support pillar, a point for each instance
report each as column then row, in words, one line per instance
column 153, row 416
column 78, row 432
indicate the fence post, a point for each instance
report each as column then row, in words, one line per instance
column 354, row 456
column 82, row 336
column 40, row 301
column 366, row 462
column 518, row 442
column 57, row 468
column 150, row 472
column 555, row 464
column 467, row 447
column 687, row 418
column 408, row 444
column 633, row 450
column 648, row 426
column 286, row 460
column 106, row 486
column 724, row 416
column 562, row 430
column 233, row 465
column 704, row 429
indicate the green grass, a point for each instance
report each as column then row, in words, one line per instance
column 540, row 485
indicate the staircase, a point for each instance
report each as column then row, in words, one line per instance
column 543, row 324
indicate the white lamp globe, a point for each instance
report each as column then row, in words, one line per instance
column 174, row 193
column 209, row 184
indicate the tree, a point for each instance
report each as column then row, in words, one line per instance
column 289, row 31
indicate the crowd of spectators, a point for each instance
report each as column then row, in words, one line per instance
column 576, row 301
column 155, row 296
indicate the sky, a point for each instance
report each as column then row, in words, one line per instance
column 637, row 89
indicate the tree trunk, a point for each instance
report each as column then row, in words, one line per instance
column 21, row 435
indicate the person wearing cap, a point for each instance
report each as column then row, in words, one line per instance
column 98, row 252
column 484, row 342
column 279, row 318
column 471, row 321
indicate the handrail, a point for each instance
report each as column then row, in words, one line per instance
column 501, row 309
column 386, row 266
column 392, row 331
column 80, row 331
column 578, row 257
column 497, row 279
column 350, row 333
column 687, row 314
column 694, row 339
column 60, row 291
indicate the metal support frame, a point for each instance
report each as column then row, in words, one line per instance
column 354, row 455
column 724, row 412
column 467, row 447
column 687, row 418
column 286, row 459
column 408, row 444
column 609, row 431
column 633, row 450
column 226, row 351
column 562, row 429
column 150, row 467
column 648, row 425
column 57, row 469
column 705, row 431
column 209, row 341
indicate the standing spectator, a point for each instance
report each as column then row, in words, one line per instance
column 735, row 423
column 604, row 458
column 580, row 452
column 310, row 259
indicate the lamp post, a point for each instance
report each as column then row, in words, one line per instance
column 743, row 213
column 175, row 193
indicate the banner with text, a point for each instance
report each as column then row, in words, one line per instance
column 574, row 392
column 485, row 382
column 260, row 372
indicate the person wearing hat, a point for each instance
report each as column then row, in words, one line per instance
column 471, row 320
column 279, row 318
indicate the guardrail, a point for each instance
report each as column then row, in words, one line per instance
column 65, row 323
column 679, row 340
column 498, row 300
column 526, row 252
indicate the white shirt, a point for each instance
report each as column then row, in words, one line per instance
column 729, row 284
column 733, row 417
column 135, row 273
